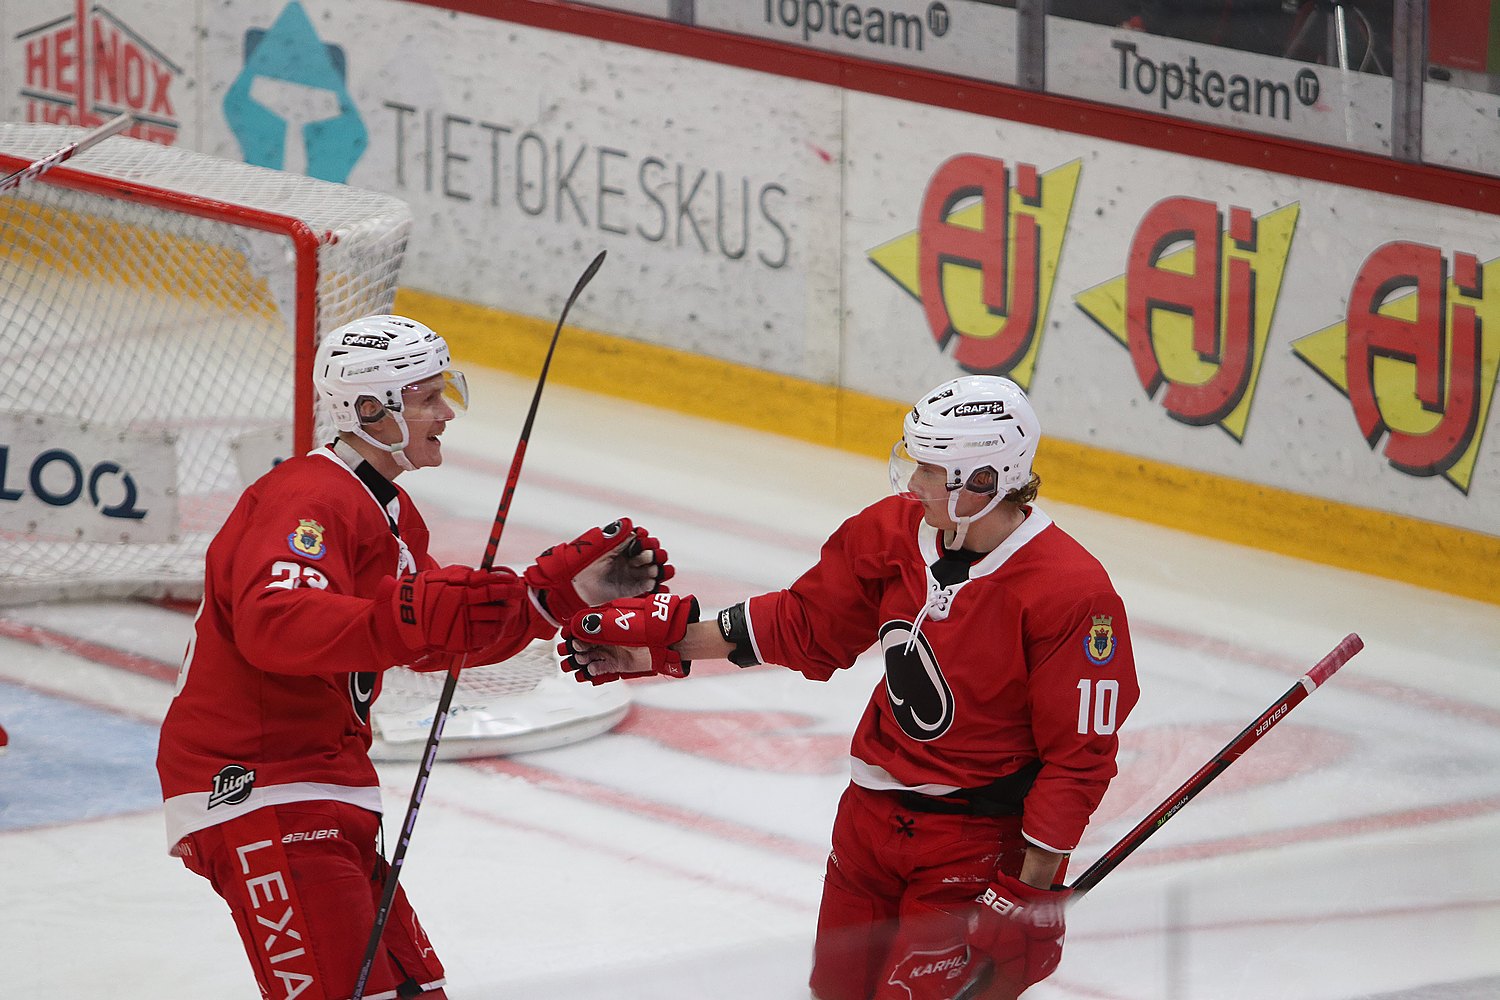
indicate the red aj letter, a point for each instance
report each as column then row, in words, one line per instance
column 1427, row 343
column 1229, row 343
column 1011, row 292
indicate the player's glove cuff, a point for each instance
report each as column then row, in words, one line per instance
column 538, row 599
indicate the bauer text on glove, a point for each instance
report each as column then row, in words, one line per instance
column 1020, row 927
column 454, row 609
column 629, row 636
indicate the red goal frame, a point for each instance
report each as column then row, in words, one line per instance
column 305, row 242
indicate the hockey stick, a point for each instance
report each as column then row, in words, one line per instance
column 116, row 124
column 1126, row 845
column 440, row 717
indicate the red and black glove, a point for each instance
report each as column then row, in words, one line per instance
column 1020, row 927
column 599, row 566
column 628, row 637
column 454, row 609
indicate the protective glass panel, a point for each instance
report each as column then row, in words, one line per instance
column 1461, row 95
column 1315, row 71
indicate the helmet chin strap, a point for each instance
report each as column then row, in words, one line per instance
column 963, row 523
column 397, row 450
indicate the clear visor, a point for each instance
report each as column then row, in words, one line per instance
column 900, row 468
column 916, row 480
column 930, row 480
column 441, row 397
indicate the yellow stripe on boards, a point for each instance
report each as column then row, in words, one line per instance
column 1436, row 556
column 645, row 373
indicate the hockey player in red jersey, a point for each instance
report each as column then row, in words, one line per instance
column 319, row 581
column 982, row 755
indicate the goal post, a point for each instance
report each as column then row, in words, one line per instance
column 159, row 311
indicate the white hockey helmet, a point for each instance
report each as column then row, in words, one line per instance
column 375, row 358
column 981, row 430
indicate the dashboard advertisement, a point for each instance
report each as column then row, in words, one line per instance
column 1314, row 337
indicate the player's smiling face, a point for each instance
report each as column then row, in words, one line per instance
column 426, row 410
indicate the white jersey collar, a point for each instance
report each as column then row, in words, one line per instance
column 1036, row 522
column 341, row 454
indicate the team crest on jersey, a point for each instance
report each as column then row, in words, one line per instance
column 362, row 694
column 307, row 540
column 1099, row 644
column 920, row 697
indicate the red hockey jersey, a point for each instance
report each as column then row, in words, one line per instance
column 273, row 699
column 1024, row 657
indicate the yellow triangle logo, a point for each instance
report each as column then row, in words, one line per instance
column 1397, row 400
column 975, row 326
column 1170, row 336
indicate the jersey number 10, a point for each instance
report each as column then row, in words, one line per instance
column 1098, row 706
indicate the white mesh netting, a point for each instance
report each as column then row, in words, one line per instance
column 526, row 703
column 149, row 323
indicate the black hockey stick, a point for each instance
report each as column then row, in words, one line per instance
column 119, row 123
column 440, row 717
column 1126, row 845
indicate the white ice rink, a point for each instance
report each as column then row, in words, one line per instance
column 1353, row 853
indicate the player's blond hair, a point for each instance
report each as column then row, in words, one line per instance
column 1024, row 494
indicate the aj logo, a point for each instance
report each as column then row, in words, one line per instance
column 1417, row 357
column 1194, row 307
column 984, row 258
column 290, row 107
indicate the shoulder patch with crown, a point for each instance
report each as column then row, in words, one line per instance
column 1099, row 643
column 307, row 540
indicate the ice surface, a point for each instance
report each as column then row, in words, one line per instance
column 1352, row 853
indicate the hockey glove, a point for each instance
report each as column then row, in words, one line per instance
column 454, row 609
column 1021, row 928
column 628, row 637
column 599, row 566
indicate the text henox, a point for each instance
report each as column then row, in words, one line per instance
column 86, row 68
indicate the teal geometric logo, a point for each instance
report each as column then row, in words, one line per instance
column 290, row 107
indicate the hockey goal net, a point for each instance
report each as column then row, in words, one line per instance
column 526, row 703
column 158, row 314
column 159, row 310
